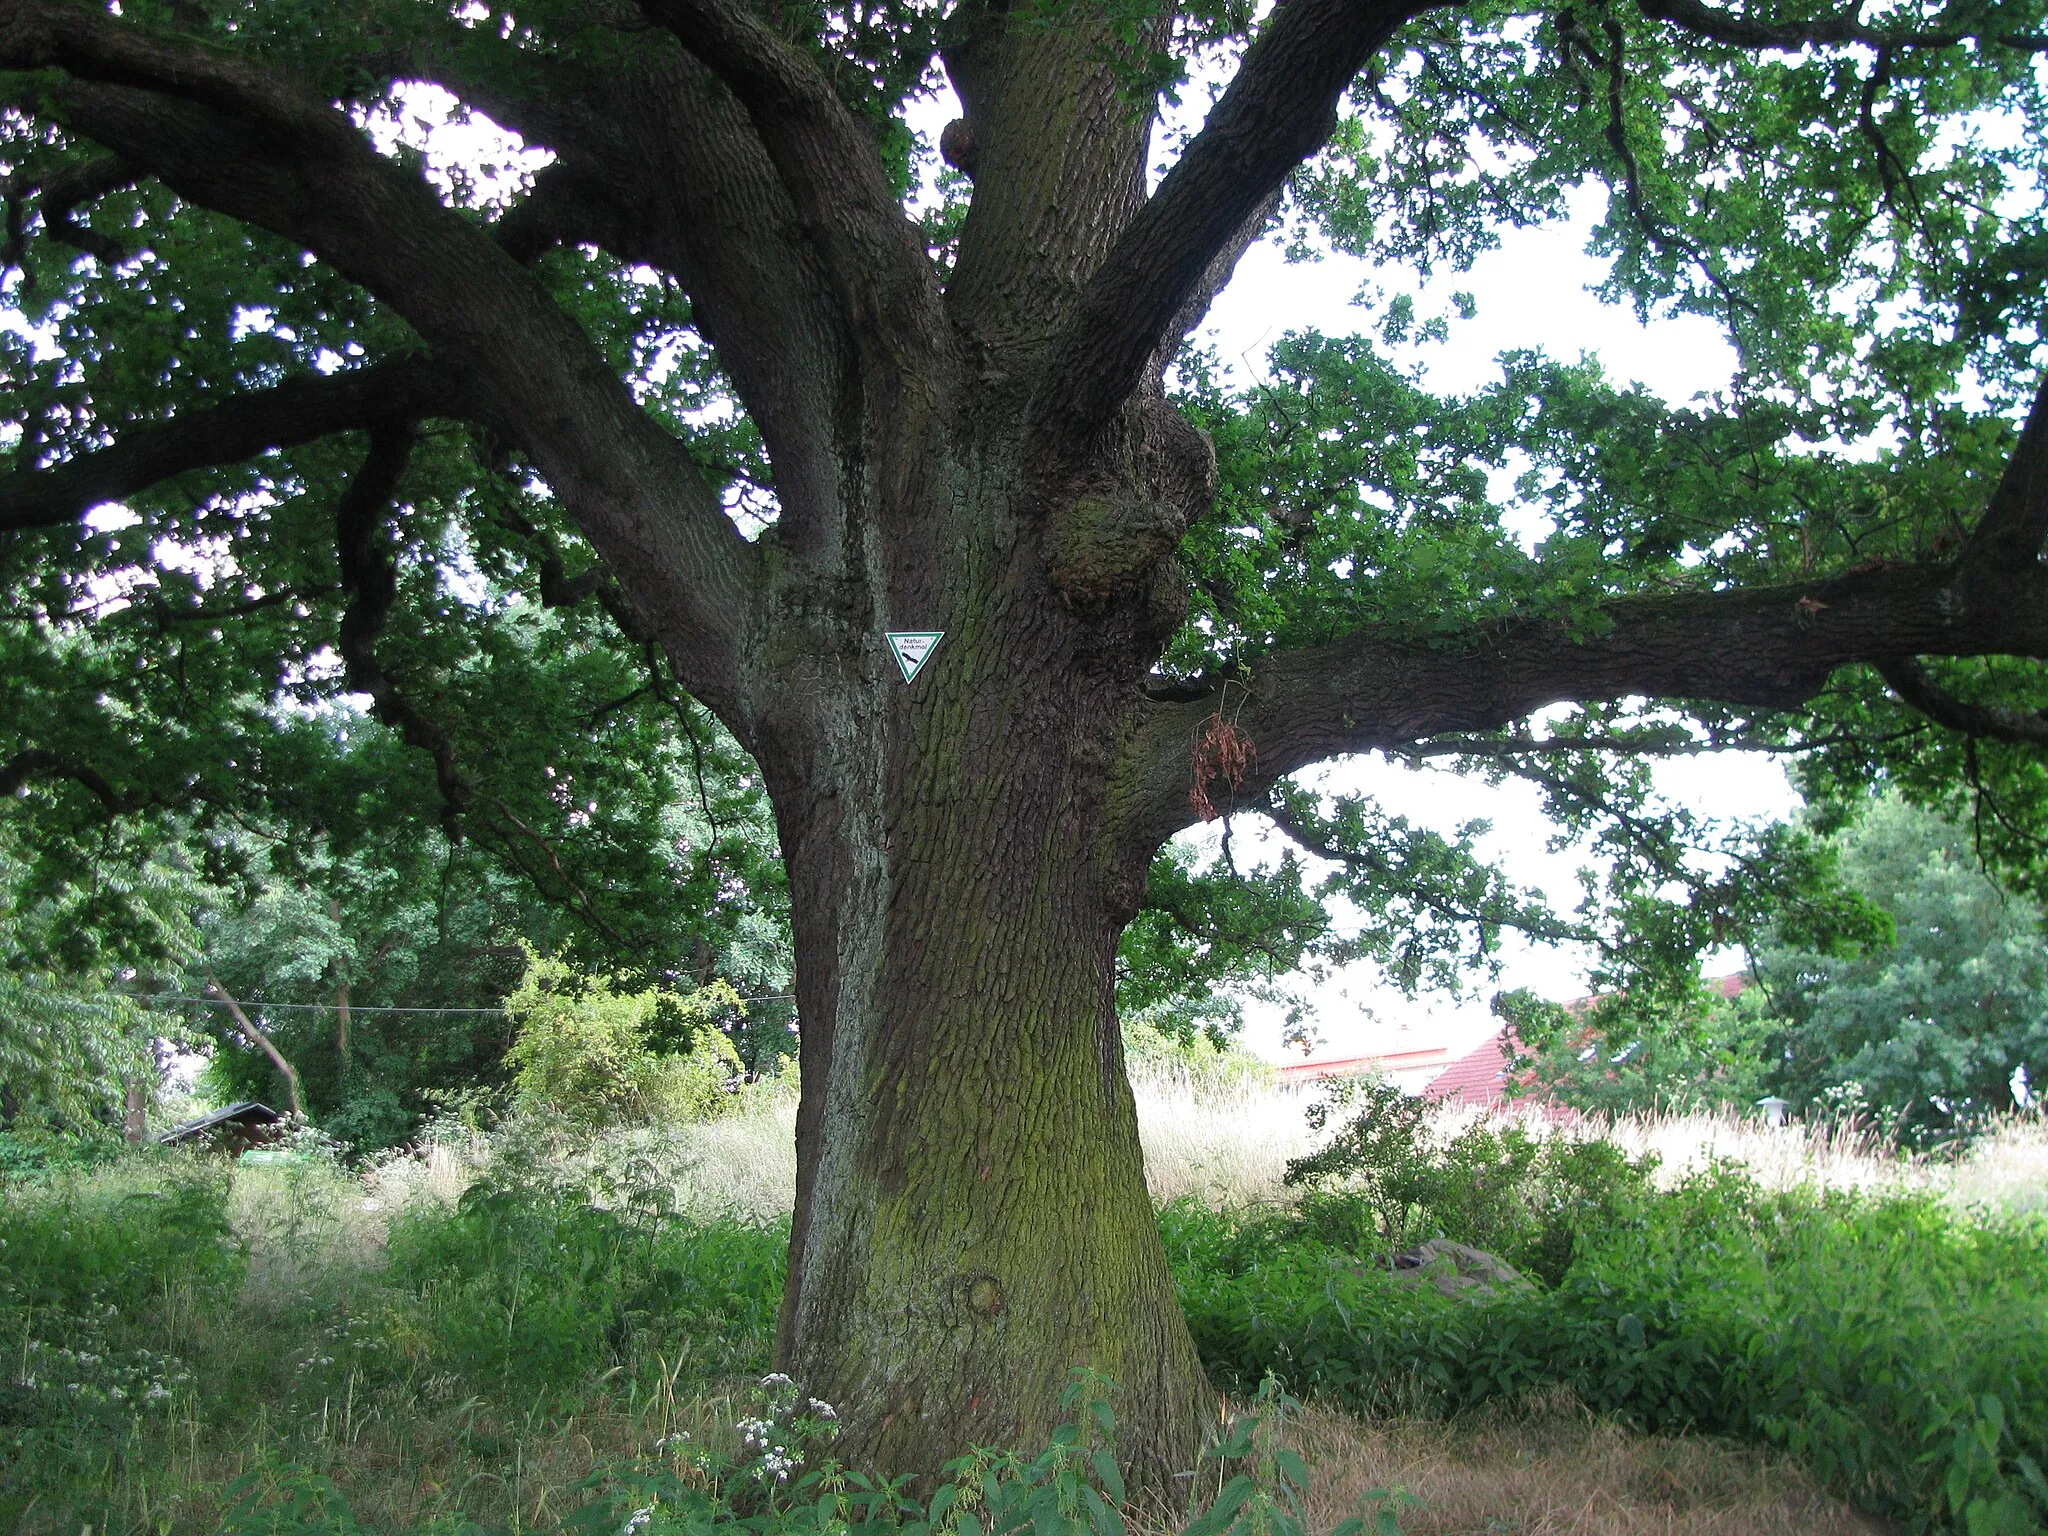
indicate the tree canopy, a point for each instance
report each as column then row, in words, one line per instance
column 531, row 523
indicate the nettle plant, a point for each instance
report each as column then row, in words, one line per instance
column 787, row 1480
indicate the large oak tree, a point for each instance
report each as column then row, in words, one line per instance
column 776, row 402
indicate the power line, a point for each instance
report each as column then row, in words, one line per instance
column 215, row 1002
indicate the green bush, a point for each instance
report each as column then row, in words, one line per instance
column 528, row 1294
column 1387, row 1180
column 587, row 1051
column 1898, row 1350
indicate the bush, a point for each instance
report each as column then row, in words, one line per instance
column 586, row 1051
column 1900, row 1351
column 1388, row 1179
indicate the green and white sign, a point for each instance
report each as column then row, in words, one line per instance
column 913, row 647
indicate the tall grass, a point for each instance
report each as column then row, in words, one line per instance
column 464, row 1334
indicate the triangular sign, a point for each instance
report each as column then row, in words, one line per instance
column 913, row 647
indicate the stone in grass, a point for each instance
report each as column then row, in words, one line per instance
column 1456, row 1269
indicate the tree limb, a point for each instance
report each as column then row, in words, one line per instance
column 227, row 135
column 2009, row 535
column 34, row 763
column 829, row 163
column 1910, row 681
column 297, row 411
column 1772, row 647
column 269, row 1048
column 1277, row 112
column 369, row 575
column 1717, row 25
column 59, row 193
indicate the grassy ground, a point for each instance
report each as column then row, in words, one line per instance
column 449, row 1366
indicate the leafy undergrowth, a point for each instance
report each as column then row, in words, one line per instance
column 183, row 1356
column 1901, row 1354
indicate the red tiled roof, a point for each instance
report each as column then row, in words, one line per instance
column 1359, row 1066
column 1478, row 1078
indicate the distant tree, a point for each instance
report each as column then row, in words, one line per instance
column 1934, row 1030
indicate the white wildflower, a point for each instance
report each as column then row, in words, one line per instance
column 637, row 1521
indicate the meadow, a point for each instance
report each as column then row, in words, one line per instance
column 1723, row 1328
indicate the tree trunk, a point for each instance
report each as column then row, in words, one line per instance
column 135, row 1112
column 972, row 1221
column 972, row 1218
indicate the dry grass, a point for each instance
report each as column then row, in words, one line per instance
column 1222, row 1154
column 1554, row 1469
column 1236, row 1153
column 1233, row 1153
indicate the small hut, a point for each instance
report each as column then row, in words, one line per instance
column 232, row 1130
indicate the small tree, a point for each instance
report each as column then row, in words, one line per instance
column 1935, row 1029
column 584, row 1049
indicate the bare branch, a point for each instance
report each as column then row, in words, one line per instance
column 1909, row 680
column 1736, row 31
column 1274, row 115
column 284, row 416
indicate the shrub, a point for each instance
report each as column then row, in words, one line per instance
column 586, row 1051
column 1900, row 1351
column 1387, row 1179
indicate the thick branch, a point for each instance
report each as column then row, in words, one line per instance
column 2008, row 537
column 658, row 163
column 828, row 161
column 229, row 136
column 284, row 416
column 369, row 575
column 1721, row 26
column 1275, row 114
column 1909, row 680
column 1771, row 647
column 257, row 1036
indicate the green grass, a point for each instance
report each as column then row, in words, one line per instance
column 480, row 1365
column 1899, row 1351
column 183, row 1353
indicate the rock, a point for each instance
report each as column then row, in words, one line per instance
column 1456, row 1269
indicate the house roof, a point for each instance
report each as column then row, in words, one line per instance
column 1478, row 1077
column 1360, row 1066
column 247, row 1112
